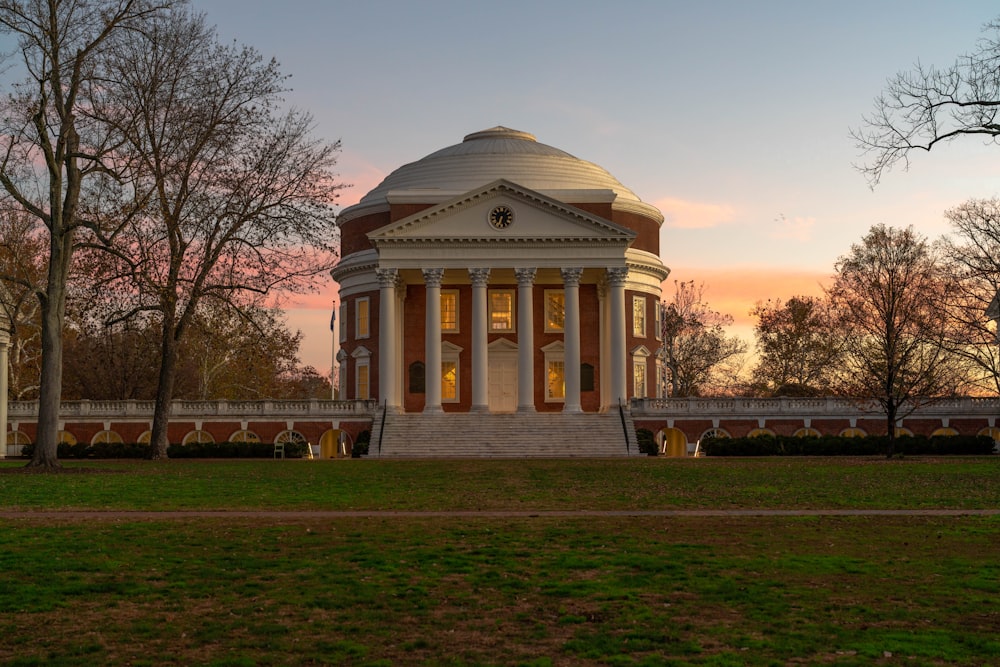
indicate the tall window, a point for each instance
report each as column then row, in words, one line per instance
column 449, row 381
column 658, row 331
column 639, row 316
column 449, row 311
column 501, row 311
column 555, row 310
column 362, row 317
column 361, row 380
column 342, row 322
column 555, row 380
column 639, row 378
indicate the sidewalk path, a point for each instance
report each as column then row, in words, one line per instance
column 289, row 515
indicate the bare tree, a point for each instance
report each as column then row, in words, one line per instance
column 798, row 345
column 888, row 294
column 695, row 344
column 50, row 150
column 972, row 253
column 235, row 195
column 926, row 106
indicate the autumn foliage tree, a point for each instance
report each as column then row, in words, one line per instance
column 798, row 346
column 695, row 344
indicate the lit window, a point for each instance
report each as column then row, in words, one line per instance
column 449, row 381
column 502, row 310
column 361, row 381
column 639, row 378
column 106, row 437
column 555, row 380
column 362, row 320
column 555, row 310
column 639, row 316
column 658, row 331
column 449, row 311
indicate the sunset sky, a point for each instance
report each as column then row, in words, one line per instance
column 732, row 117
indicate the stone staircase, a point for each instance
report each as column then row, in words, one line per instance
column 524, row 435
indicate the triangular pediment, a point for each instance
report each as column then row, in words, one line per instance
column 519, row 215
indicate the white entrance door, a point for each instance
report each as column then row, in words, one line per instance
column 503, row 383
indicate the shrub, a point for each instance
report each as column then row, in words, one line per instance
column 838, row 446
column 361, row 445
column 647, row 443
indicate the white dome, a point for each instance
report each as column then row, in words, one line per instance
column 492, row 154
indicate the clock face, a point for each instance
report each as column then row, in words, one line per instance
column 501, row 216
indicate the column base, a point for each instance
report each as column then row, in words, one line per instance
column 572, row 409
column 435, row 410
column 522, row 409
column 480, row 409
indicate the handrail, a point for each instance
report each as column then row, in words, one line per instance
column 381, row 428
column 621, row 413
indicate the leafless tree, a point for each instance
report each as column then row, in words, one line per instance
column 695, row 344
column 888, row 294
column 926, row 106
column 50, row 150
column 972, row 253
column 235, row 195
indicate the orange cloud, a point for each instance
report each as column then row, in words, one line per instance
column 681, row 214
column 735, row 290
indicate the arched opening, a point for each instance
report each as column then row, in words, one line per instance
column 673, row 442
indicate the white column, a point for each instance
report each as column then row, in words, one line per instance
column 334, row 348
column 432, row 332
column 525, row 340
column 4, row 341
column 571, row 338
column 480, row 359
column 616, row 298
column 387, row 363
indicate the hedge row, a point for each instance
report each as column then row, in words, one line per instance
column 839, row 446
column 203, row 450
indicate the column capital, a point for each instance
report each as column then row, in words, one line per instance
column 387, row 277
column 479, row 276
column 525, row 277
column 617, row 276
column 433, row 277
column 571, row 276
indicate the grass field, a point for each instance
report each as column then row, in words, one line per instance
column 488, row 589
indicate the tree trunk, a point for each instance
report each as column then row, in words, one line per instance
column 164, row 392
column 890, row 416
column 53, row 312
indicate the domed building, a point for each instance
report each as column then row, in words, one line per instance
column 499, row 275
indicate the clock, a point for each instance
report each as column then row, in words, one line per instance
column 502, row 216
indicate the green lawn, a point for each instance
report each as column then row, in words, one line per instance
column 439, row 590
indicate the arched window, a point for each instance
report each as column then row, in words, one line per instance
column 807, row 432
column 145, row 438
column 761, row 432
column 715, row 433
column 944, row 431
column 67, row 437
column 244, row 435
column 853, row 432
column 197, row 437
column 104, row 437
column 289, row 436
